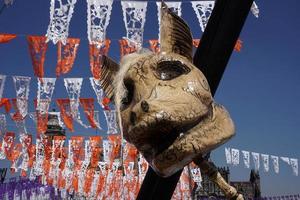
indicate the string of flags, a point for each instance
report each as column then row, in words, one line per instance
column 233, row 158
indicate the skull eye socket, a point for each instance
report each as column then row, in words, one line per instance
column 127, row 99
column 168, row 70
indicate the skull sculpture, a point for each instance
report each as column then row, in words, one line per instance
column 165, row 105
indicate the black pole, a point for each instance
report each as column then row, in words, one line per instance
column 211, row 57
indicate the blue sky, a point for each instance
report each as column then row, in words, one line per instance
column 260, row 86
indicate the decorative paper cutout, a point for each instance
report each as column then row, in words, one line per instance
column 255, row 157
column 125, row 48
column 2, row 84
column 265, row 159
column 65, row 110
column 235, row 157
column 111, row 120
column 228, row 155
column 60, row 17
column 6, row 103
column 275, row 161
column 37, row 48
column 254, row 9
column 22, row 92
column 294, row 165
column 66, row 54
column 134, row 16
column 246, row 158
column 5, row 38
column 2, row 124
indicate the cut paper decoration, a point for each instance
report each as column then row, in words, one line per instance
column 228, row 155
column 255, row 157
column 235, row 157
column 155, row 46
column 294, row 165
column 42, row 108
column 254, row 9
column 2, row 124
column 111, row 120
column 265, row 160
column 286, row 160
column 60, row 17
column 66, row 54
column 88, row 107
column 203, row 10
column 66, row 113
column 96, row 57
column 5, row 38
column 22, row 92
column 98, row 16
column 17, row 115
column 2, row 84
column 125, row 48
column 246, row 158
column 6, row 103
column 20, row 124
column 37, row 48
column 134, row 16
column 97, row 89
column 275, row 161
column 45, row 90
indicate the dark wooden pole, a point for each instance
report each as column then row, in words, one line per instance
column 211, row 57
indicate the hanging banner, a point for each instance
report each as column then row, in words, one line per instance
column 255, row 157
column 175, row 6
column 134, row 17
column 6, row 103
column 98, row 91
column 5, row 38
column 246, row 158
column 66, row 54
column 7, row 145
column 45, row 90
column 37, row 48
column 60, row 16
column 125, row 48
column 294, row 165
column 196, row 174
column 286, row 160
column 275, row 161
column 228, row 156
column 96, row 53
column 254, row 9
column 98, row 16
column 185, row 184
column 22, row 92
column 2, row 84
column 235, row 157
column 66, row 113
column 115, row 143
column 41, row 116
column 20, row 123
column 203, row 10
column 111, row 120
column 265, row 159
column 2, row 124
column 26, row 142
column 88, row 107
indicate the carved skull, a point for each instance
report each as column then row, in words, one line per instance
column 165, row 105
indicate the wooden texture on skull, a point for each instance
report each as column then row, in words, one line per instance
column 165, row 105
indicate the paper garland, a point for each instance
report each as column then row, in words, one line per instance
column 235, row 157
column 22, row 92
column 203, row 10
column 246, row 158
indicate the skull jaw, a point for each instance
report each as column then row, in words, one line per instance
column 201, row 139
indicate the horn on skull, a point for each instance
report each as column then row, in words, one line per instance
column 175, row 35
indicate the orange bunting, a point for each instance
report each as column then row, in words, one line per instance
column 154, row 46
column 37, row 48
column 88, row 107
column 41, row 117
column 196, row 42
column 76, row 146
column 66, row 55
column 65, row 110
column 130, row 153
column 115, row 141
column 17, row 115
column 96, row 52
column 9, row 139
column 6, row 103
column 238, row 45
column 125, row 48
column 4, row 38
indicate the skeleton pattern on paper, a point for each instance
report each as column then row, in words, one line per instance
column 61, row 12
column 175, row 6
column 45, row 90
column 235, row 157
column 275, row 161
column 228, row 155
column 203, row 10
column 265, row 161
column 294, row 165
column 246, row 158
column 134, row 16
column 2, row 84
column 255, row 157
column 22, row 84
column 99, row 12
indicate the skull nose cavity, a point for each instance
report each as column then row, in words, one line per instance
column 133, row 118
column 145, row 106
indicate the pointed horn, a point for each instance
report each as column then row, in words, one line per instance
column 175, row 35
column 108, row 72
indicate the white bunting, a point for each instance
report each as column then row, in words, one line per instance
column 2, row 124
column 175, row 6
column 97, row 89
column 196, row 176
column 203, row 10
column 99, row 12
column 2, row 84
column 106, row 150
column 246, row 158
column 134, row 16
column 60, row 16
column 20, row 124
column 111, row 120
column 265, row 161
column 294, row 165
column 286, row 160
column 228, row 155
column 235, row 157
column 45, row 90
column 254, row 9
column 22, row 92
column 255, row 157
column 275, row 161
